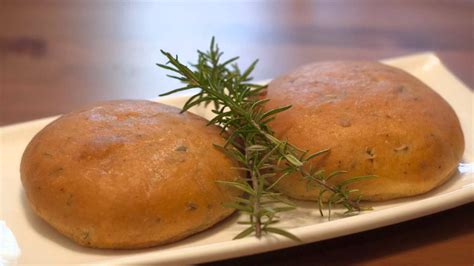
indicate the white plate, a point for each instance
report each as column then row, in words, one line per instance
column 24, row 238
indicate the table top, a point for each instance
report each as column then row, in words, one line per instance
column 56, row 56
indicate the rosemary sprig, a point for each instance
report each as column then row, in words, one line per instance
column 239, row 111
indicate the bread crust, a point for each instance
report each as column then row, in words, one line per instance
column 127, row 174
column 375, row 119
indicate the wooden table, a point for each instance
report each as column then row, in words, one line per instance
column 58, row 55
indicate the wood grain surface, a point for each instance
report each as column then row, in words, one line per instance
column 58, row 55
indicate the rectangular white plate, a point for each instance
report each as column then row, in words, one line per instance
column 24, row 238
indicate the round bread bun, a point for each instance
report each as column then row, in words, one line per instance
column 375, row 119
column 128, row 174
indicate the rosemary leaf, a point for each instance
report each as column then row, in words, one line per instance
column 239, row 111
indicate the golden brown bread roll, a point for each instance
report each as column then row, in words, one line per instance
column 375, row 119
column 127, row 174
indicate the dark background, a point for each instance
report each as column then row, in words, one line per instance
column 58, row 55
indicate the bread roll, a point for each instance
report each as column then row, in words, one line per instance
column 375, row 119
column 127, row 174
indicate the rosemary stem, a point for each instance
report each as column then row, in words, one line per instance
column 330, row 188
column 256, row 199
column 256, row 207
column 235, row 108
column 301, row 169
column 240, row 111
